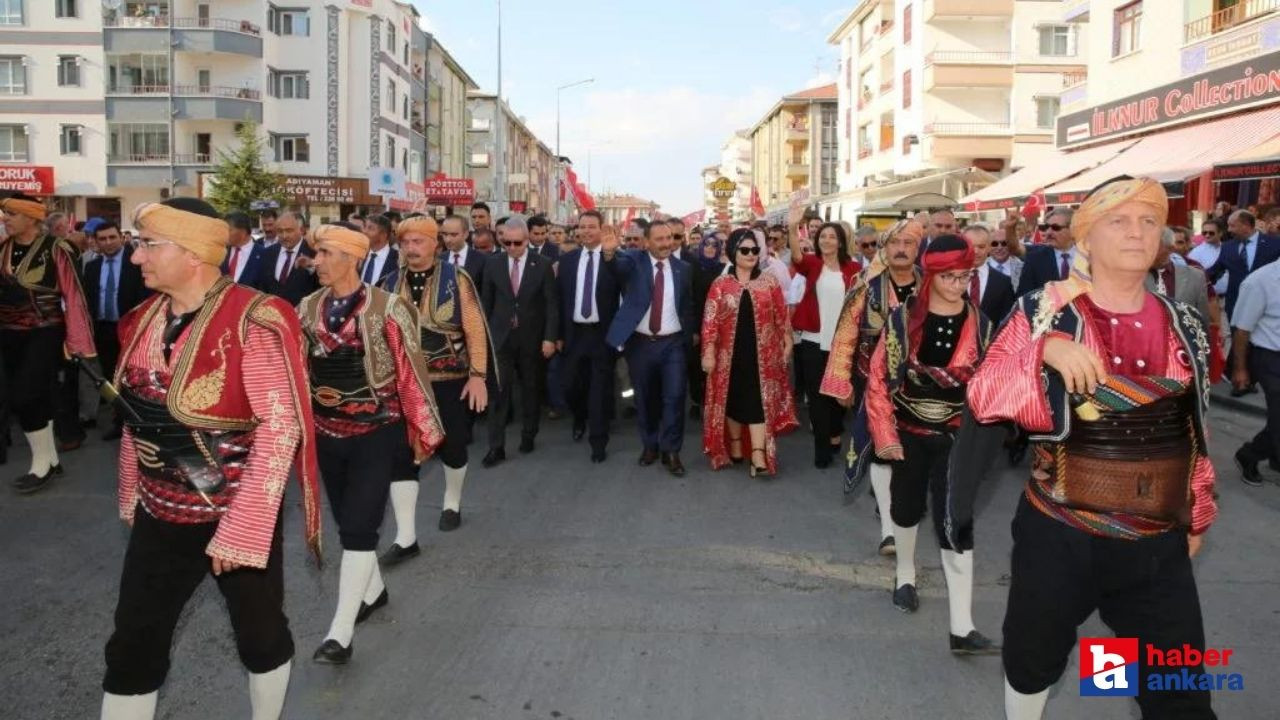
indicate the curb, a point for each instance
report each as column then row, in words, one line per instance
column 1238, row 405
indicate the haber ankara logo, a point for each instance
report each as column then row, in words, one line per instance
column 1109, row 667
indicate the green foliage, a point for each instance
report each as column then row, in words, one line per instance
column 241, row 177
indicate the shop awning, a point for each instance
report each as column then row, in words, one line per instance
column 1175, row 155
column 928, row 192
column 1256, row 163
column 1010, row 191
column 912, row 203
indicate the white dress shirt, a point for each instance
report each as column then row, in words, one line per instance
column 459, row 258
column 829, row 290
column 284, row 254
column 1257, row 309
column 379, row 259
column 245, row 251
column 670, row 317
column 983, row 271
column 1011, row 268
column 1206, row 254
column 581, row 285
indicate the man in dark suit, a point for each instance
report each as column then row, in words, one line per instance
column 1051, row 261
column 286, row 266
column 455, row 250
column 989, row 288
column 1248, row 250
column 653, row 327
column 112, row 287
column 522, row 305
column 540, row 238
column 588, row 303
column 244, row 256
column 381, row 268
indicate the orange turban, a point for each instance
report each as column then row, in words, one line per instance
column 336, row 237
column 205, row 237
column 422, row 225
column 30, row 208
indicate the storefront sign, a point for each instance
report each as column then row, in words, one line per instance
column 444, row 190
column 722, row 188
column 29, row 179
column 1235, row 87
column 321, row 190
column 1257, row 170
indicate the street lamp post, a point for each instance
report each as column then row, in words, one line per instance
column 565, row 87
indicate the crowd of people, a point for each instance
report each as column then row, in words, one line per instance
column 347, row 354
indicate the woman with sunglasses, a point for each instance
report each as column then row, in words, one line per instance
column 746, row 346
column 828, row 275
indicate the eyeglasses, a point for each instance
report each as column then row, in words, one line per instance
column 513, row 243
column 999, row 243
column 748, row 250
column 865, row 245
column 956, row 278
column 1052, row 226
column 677, row 236
column 147, row 244
column 1210, row 233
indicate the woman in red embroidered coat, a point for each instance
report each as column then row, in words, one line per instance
column 746, row 348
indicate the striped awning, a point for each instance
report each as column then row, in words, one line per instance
column 1010, row 191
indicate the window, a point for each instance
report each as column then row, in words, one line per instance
column 391, row 152
column 13, row 143
column 906, row 25
column 68, row 71
column 11, row 13
column 404, row 159
column 13, row 76
column 391, row 96
column 906, row 89
column 480, row 124
column 479, row 159
column 404, row 107
column 288, row 21
column 65, row 9
column 406, row 53
column 391, row 36
column 142, row 142
column 1055, row 41
column 1046, row 111
column 1126, row 32
column 292, row 148
column 288, row 84
column 69, row 140
column 830, row 150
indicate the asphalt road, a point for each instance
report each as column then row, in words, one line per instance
column 584, row 591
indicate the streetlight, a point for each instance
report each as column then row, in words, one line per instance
column 565, row 87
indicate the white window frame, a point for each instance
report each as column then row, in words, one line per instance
column 12, row 12
column 68, row 71
column 17, row 69
column 391, row 96
column 289, row 84
column 1053, row 34
column 391, row 151
column 1044, row 102
column 297, row 19
column 478, row 159
column 480, row 124
column 292, row 148
column 71, row 140
column 391, row 38
column 11, row 134
column 66, row 9
column 1132, row 34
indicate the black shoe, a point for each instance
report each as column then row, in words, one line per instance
column 905, row 598
column 396, row 554
column 671, row 461
column 32, row 483
column 1241, row 392
column 367, row 609
column 1248, row 468
column 526, row 445
column 579, row 430
column 450, row 520
column 598, row 456
column 113, row 434
column 975, row 643
column 332, row 653
column 494, row 457
column 648, row 457
column 888, row 547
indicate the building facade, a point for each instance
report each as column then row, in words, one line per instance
column 618, row 208
column 939, row 97
column 132, row 101
column 793, row 147
column 532, row 172
column 447, row 121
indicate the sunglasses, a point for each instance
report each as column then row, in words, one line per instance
column 1208, row 233
column 999, row 243
column 865, row 245
column 1052, row 226
column 677, row 236
column 749, row 250
column 513, row 243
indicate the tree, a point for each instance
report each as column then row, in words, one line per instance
column 240, row 177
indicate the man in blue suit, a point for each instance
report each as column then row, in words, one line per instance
column 653, row 327
column 382, row 267
column 588, row 304
column 244, row 256
column 1051, row 261
column 1248, row 250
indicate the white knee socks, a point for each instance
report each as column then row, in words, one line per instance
column 44, row 454
column 1023, row 707
column 128, row 707
column 353, row 579
column 958, row 568
column 404, row 505
column 375, row 587
column 453, row 480
column 905, row 539
column 267, row 691
column 880, row 476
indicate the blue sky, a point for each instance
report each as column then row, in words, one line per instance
column 673, row 77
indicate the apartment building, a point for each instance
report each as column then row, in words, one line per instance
column 126, row 102
column 532, row 175
column 619, row 208
column 1186, row 91
column 794, row 147
column 938, row 97
column 446, row 122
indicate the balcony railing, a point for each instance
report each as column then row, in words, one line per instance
column 1001, row 128
column 222, row 91
column 1072, row 79
column 886, row 86
column 193, row 159
column 864, row 153
column 163, row 21
column 969, row 57
column 886, row 26
column 1227, row 18
column 137, row 158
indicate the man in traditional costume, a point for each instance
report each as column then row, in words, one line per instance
column 888, row 282
column 371, row 396
column 455, row 346
column 929, row 349
column 212, row 379
column 1109, row 381
column 43, row 317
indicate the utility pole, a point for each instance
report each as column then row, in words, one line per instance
column 500, row 120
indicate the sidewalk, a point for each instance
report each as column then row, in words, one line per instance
column 1252, row 404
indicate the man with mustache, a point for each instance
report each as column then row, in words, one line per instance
column 891, row 279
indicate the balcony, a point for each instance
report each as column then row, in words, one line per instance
column 798, row 169
column 970, row 140
column 864, row 152
column 1073, row 78
column 240, row 104
column 969, row 129
column 220, row 91
column 968, row 69
column 1227, row 18
column 886, row 86
column 1075, row 11
column 966, row 9
column 797, row 133
column 124, row 34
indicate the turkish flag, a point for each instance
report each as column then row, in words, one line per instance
column 1031, row 210
column 631, row 215
column 757, row 207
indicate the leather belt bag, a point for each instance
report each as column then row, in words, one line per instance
column 340, row 389
column 170, row 451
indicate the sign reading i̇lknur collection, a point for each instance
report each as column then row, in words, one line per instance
column 1234, row 87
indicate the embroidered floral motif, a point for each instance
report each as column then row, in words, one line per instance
column 282, row 454
column 203, row 392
